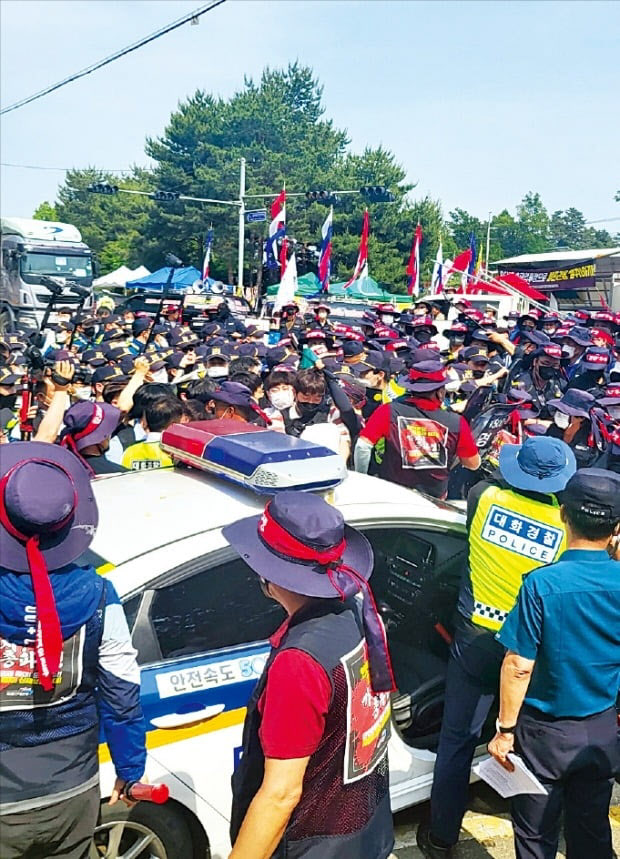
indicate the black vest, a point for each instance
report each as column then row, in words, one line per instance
column 420, row 447
column 345, row 806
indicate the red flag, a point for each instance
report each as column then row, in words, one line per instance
column 522, row 286
column 362, row 257
column 460, row 264
column 413, row 269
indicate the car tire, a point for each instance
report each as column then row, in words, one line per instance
column 163, row 828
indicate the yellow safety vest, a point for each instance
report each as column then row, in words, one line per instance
column 510, row 535
column 144, row 455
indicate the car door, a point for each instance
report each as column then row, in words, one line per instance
column 415, row 581
column 202, row 637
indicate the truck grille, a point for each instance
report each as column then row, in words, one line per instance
column 65, row 298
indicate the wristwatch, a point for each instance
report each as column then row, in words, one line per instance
column 502, row 730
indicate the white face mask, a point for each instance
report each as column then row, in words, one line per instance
column 83, row 393
column 569, row 351
column 161, row 375
column 561, row 420
column 387, row 319
column 511, row 323
column 282, row 399
column 217, row 372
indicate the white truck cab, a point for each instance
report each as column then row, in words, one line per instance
column 32, row 249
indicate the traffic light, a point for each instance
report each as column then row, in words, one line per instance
column 165, row 196
column 326, row 198
column 377, row 194
column 102, row 188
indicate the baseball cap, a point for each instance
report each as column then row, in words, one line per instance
column 8, row 378
column 141, row 324
column 594, row 491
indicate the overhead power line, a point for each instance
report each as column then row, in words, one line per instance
column 66, row 169
column 192, row 16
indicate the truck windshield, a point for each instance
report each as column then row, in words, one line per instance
column 57, row 264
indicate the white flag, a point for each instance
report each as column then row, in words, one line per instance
column 288, row 285
column 438, row 270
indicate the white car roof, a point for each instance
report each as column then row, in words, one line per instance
column 144, row 510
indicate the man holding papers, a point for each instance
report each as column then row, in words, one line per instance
column 559, row 680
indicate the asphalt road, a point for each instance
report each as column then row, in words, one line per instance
column 486, row 829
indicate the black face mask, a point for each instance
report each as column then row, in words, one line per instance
column 477, row 374
column 547, row 373
column 308, row 410
column 423, row 336
column 7, row 401
column 89, row 332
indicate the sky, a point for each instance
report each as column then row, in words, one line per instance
column 481, row 102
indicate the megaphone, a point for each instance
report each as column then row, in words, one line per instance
column 217, row 287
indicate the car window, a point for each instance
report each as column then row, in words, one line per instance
column 215, row 608
column 130, row 607
column 416, row 579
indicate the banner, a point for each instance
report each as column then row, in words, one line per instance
column 548, row 276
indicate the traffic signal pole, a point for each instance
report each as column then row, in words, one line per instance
column 377, row 194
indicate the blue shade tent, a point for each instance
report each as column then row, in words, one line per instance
column 156, row 282
column 181, row 279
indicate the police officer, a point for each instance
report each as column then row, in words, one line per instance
column 421, row 440
column 514, row 526
column 560, row 680
column 304, row 787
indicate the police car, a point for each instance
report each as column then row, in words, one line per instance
column 201, row 625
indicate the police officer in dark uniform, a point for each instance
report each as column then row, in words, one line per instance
column 544, row 379
column 422, row 440
column 302, row 788
column 560, row 680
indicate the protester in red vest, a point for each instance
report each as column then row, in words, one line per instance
column 308, row 783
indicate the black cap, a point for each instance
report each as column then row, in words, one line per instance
column 594, row 491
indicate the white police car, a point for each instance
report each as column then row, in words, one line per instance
column 200, row 624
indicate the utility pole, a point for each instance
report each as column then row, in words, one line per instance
column 241, row 226
column 486, row 267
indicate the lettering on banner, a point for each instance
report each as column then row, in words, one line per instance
column 210, row 675
column 423, row 443
column 20, row 688
column 368, row 718
column 522, row 535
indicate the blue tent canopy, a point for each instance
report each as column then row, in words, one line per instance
column 181, row 278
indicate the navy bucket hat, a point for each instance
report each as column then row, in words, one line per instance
column 301, row 543
column 540, row 464
column 48, row 517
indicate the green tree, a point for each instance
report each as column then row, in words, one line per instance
column 45, row 211
column 533, row 224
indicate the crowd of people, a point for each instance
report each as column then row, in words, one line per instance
column 391, row 394
column 520, row 415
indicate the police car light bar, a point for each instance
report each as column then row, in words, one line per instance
column 262, row 460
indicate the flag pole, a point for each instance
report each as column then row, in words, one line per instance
column 486, row 267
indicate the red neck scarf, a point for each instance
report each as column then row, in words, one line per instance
column 48, row 642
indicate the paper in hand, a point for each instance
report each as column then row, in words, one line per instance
column 506, row 783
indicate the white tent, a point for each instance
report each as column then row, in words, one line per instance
column 119, row 277
column 139, row 272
